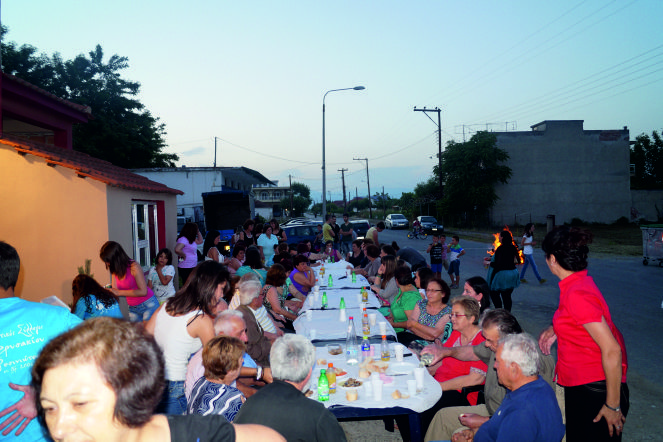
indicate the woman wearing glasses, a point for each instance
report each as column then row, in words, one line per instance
column 430, row 316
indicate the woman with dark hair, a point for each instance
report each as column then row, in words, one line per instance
column 528, row 243
column 160, row 278
column 430, row 316
column 246, row 234
column 502, row 275
column 129, row 281
column 278, row 231
column 187, row 249
column 275, row 301
column 404, row 302
column 302, row 277
column 210, row 252
column 477, row 287
column 253, row 264
column 421, row 278
column 92, row 300
column 331, row 252
column 102, row 381
column 591, row 354
column 385, row 286
column 184, row 324
column 237, row 260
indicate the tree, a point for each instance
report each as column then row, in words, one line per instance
column 647, row 158
column 470, row 171
column 332, row 208
column 121, row 131
column 301, row 199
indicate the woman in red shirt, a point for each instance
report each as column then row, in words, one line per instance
column 591, row 356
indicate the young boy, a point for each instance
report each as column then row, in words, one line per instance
column 455, row 251
column 435, row 250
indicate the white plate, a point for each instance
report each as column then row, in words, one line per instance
column 400, row 368
column 342, row 385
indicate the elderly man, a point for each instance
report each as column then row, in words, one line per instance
column 251, row 299
column 495, row 325
column 228, row 323
column 529, row 412
column 282, row 406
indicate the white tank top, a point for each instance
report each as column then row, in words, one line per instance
column 177, row 344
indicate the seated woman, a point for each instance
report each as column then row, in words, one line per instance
column 304, row 248
column 276, row 303
column 302, row 277
column 161, row 275
column 477, row 288
column 237, row 259
column 404, row 302
column 87, row 387
column 92, row 300
column 331, row 253
column 210, row 252
column 253, row 264
column 385, row 286
column 370, row 271
column 216, row 392
column 430, row 316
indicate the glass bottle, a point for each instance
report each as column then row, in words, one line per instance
column 323, row 386
column 324, row 300
column 330, row 281
column 342, row 303
column 351, row 351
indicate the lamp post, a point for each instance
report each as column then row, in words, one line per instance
column 324, row 179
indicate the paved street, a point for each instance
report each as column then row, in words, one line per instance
column 633, row 292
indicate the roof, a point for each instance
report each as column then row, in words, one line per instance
column 228, row 171
column 79, row 107
column 88, row 167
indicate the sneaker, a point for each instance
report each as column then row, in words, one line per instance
column 453, row 286
column 541, row 281
column 523, row 280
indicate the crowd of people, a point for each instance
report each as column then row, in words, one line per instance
column 219, row 355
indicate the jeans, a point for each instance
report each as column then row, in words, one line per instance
column 345, row 247
column 529, row 260
column 144, row 310
column 173, row 401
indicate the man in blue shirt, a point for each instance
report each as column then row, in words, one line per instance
column 25, row 328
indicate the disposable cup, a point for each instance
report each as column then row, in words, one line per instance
column 359, row 298
column 398, row 350
column 411, row 387
column 383, row 328
column 373, row 317
column 368, row 389
column 309, row 315
column 377, row 389
column 419, row 377
column 316, row 289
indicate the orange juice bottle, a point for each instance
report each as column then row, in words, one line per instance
column 331, row 378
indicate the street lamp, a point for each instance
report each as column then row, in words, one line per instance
column 324, row 179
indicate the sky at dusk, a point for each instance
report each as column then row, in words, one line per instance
column 253, row 74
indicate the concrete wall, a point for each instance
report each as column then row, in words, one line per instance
column 566, row 171
column 54, row 219
column 192, row 183
column 644, row 204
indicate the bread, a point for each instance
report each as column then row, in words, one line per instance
column 396, row 394
column 364, row 373
column 351, row 395
column 322, row 362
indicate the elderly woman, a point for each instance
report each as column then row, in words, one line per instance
column 591, row 355
column 184, row 324
column 302, row 277
column 216, row 393
column 431, row 315
column 237, row 259
column 266, row 243
column 102, row 381
column 251, row 300
column 403, row 306
column 253, row 264
column 92, row 300
column 275, row 301
column 385, row 286
column 477, row 288
column 502, row 275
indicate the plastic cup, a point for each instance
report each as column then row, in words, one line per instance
column 398, row 350
column 373, row 317
column 377, row 389
column 411, row 387
column 309, row 315
column 359, row 298
column 316, row 289
column 368, row 389
column 419, row 377
column 313, row 333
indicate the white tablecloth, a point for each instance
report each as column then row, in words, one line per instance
column 351, row 298
column 328, row 326
column 339, row 276
column 422, row 401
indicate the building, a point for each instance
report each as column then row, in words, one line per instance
column 560, row 169
column 268, row 200
column 60, row 205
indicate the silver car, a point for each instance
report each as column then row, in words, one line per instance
column 396, row 221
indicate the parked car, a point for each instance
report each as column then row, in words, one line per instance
column 396, row 221
column 360, row 227
column 430, row 225
column 301, row 232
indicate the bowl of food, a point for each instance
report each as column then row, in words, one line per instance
column 335, row 349
column 350, row 383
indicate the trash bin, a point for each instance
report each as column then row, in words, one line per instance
column 652, row 243
column 550, row 220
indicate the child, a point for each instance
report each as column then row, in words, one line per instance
column 435, row 250
column 160, row 278
column 455, row 251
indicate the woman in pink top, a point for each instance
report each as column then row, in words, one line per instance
column 187, row 249
column 129, row 281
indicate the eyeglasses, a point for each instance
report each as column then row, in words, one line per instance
column 433, row 290
column 455, row 315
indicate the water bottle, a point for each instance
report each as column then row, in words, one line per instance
column 323, row 386
column 324, row 300
column 331, row 281
column 365, row 349
column 365, row 325
column 342, row 304
column 384, row 349
column 351, row 350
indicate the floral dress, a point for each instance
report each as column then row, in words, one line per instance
column 431, row 320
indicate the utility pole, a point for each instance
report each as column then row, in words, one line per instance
column 439, row 140
column 215, row 138
column 290, row 178
column 345, row 201
column 368, row 182
column 384, row 208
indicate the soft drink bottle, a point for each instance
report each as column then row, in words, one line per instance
column 323, row 386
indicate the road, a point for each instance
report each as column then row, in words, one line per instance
column 634, row 294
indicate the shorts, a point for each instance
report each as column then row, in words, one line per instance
column 454, row 267
column 436, row 268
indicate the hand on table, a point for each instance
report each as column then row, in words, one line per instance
column 22, row 412
column 472, row 420
column 546, row 340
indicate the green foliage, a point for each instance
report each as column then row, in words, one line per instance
column 332, row 208
column 121, row 131
column 647, row 157
column 301, row 199
column 86, row 268
column 470, row 171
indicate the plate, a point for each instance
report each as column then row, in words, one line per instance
column 342, row 385
column 400, row 368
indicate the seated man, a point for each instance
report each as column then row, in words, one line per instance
column 229, row 323
column 529, row 412
column 371, row 269
column 251, row 300
column 282, row 406
column 495, row 325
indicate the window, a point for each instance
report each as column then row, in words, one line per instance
column 277, row 194
column 264, row 196
column 145, row 232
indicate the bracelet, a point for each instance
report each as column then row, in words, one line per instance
column 613, row 409
column 259, row 374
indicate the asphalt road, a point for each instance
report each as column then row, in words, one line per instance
column 634, row 294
